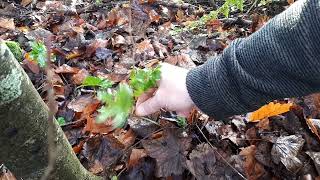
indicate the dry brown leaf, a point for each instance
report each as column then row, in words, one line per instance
column 73, row 55
column 7, row 23
column 271, row 109
column 79, row 104
column 67, row 69
column 96, row 128
column 290, row 1
column 254, row 170
column 127, row 138
column 145, row 47
column 24, row 3
column 135, row 156
column 80, row 76
column 154, row 16
column 118, row 41
column 264, row 124
column 314, row 125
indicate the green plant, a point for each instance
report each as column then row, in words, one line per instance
column 61, row 121
column 118, row 104
column 182, row 122
column 38, row 53
column 97, row 82
column 15, row 49
column 143, row 79
column 224, row 10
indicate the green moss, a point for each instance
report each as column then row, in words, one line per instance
column 10, row 86
column 15, row 49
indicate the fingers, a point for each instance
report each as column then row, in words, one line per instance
column 183, row 113
column 145, row 96
column 149, row 106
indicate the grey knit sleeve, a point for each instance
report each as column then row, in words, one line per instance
column 280, row 60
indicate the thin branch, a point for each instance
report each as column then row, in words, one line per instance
column 52, row 148
column 242, row 176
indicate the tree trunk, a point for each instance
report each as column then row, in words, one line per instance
column 24, row 126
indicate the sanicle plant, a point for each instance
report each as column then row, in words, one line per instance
column 119, row 103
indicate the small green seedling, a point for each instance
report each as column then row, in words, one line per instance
column 15, row 49
column 61, row 121
column 38, row 53
column 119, row 103
column 97, row 82
column 182, row 122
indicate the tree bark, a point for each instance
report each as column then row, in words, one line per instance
column 24, row 127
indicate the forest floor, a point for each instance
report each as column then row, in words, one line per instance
column 100, row 38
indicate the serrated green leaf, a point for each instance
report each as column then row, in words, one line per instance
column 39, row 53
column 142, row 80
column 118, row 107
column 97, row 82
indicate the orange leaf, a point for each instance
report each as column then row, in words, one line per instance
column 78, row 148
column 72, row 55
column 271, row 109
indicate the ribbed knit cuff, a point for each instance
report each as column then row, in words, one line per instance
column 200, row 91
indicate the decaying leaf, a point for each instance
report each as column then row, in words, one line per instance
column 254, row 170
column 67, row 69
column 202, row 162
column 315, row 156
column 135, row 156
column 169, row 152
column 79, row 104
column 80, row 77
column 127, row 138
column 285, row 150
column 102, row 152
column 271, row 109
column 7, row 23
column 314, row 125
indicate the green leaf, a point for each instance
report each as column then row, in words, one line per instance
column 119, row 106
column 97, row 82
column 39, row 53
column 142, row 80
column 182, row 122
column 61, row 121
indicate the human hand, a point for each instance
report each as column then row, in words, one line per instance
column 172, row 93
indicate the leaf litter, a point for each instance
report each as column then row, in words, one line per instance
column 97, row 46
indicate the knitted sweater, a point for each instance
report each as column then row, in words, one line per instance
column 280, row 60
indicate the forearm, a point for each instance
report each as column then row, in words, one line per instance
column 281, row 60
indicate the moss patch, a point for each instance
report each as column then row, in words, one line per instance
column 10, row 86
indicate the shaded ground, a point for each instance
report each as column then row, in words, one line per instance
column 94, row 38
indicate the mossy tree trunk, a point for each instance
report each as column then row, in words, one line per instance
column 24, row 126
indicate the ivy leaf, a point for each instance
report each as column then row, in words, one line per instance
column 39, row 53
column 97, row 82
column 118, row 107
column 142, row 80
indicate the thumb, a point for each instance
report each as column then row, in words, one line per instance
column 149, row 106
